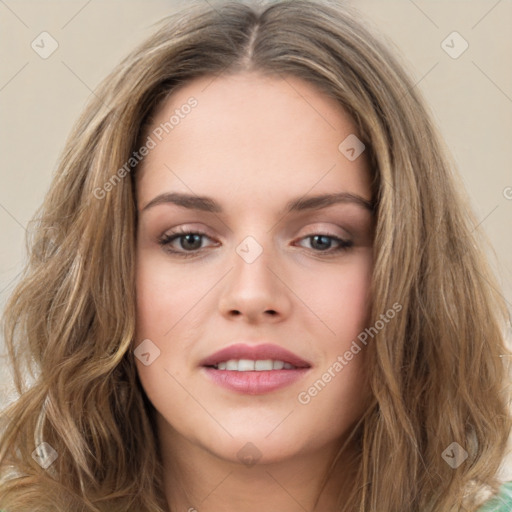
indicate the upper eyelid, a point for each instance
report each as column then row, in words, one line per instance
column 180, row 230
column 312, row 224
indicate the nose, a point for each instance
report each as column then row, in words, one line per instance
column 255, row 289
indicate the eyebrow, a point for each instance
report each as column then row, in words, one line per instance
column 207, row 204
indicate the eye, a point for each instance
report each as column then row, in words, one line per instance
column 190, row 243
column 321, row 240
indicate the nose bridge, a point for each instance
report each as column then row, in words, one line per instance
column 253, row 287
column 255, row 248
column 253, row 258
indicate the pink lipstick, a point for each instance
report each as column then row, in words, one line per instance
column 254, row 369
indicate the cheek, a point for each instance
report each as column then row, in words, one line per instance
column 353, row 300
column 341, row 299
column 163, row 298
column 342, row 302
column 164, row 295
column 167, row 305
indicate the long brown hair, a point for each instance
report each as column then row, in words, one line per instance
column 435, row 371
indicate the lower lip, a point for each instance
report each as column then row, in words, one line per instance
column 255, row 382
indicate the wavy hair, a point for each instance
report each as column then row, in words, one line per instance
column 435, row 372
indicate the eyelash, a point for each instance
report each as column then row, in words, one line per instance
column 166, row 239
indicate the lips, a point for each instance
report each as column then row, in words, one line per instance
column 231, row 368
column 256, row 353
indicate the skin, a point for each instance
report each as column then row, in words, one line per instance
column 252, row 143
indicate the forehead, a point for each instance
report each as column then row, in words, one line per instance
column 256, row 135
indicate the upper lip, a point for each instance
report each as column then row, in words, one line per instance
column 255, row 352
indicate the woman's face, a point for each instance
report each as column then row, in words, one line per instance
column 262, row 282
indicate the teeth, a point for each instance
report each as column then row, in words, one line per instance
column 248, row 365
column 267, row 364
column 232, row 364
column 245, row 365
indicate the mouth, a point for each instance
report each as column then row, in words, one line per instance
column 254, row 370
column 250, row 365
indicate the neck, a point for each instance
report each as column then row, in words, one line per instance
column 198, row 480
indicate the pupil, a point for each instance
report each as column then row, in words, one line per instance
column 326, row 240
column 189, row 238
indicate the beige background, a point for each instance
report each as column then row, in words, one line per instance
column 470, row 98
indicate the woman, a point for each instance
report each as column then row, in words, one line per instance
column 332, row 342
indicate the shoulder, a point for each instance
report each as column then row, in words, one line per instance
column 502, row 502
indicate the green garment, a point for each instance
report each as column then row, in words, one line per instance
column 501, row 502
